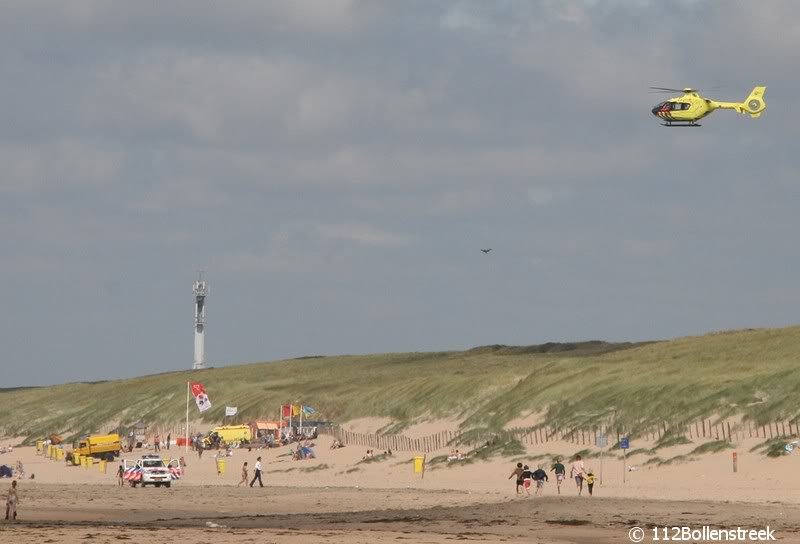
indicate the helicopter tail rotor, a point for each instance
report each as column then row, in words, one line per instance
column 754, row 104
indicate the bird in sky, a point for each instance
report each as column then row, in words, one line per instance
column 486, row 250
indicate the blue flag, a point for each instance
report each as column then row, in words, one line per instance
column 308, row 410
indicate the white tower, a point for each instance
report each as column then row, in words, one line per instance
column 200, row 292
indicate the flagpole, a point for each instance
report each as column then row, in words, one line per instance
column 301, row 419
column 187, row 417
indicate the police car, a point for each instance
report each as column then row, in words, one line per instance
column 151, row 470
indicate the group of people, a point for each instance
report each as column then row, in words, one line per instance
column 371, row 453
column 256, row 476
column 577, row 471
column 455, row 455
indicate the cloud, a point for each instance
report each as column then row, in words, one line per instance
column 364, row 234
column 57, row 165
column 648, row 248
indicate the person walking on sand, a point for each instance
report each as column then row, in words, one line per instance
column 560, row 472
column 121, row 475
column 169, row 439
column 539, row 476
column 257, row 474
column 590, row 480
column 11, row 502
column 157, row 441
column 518, row 474
column 526, row 479
column 244, row 475
column 577, row 471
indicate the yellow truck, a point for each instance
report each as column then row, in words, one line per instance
column 102, row 446
column 233, row 433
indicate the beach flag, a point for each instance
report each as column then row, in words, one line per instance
column 295, row 410
column 200, row 396
column 308, row 410
column 231, row 410
column 286, row 410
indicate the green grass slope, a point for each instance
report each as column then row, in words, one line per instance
column 753, row 373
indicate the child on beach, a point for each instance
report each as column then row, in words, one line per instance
column 560, row 472
column 120, row 475
column 244, row 475
column 526, row 479
column 518, row 473
column 539, row 476
column 590, row 479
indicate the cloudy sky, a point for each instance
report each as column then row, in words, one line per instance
column 334, row 166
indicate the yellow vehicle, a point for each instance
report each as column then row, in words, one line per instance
column 102, row 446
column 686, row 110
column 233, row 433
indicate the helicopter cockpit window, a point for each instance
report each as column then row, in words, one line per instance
column 679, row 106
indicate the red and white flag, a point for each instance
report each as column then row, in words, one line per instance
column 200, row 397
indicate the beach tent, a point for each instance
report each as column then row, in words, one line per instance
column 6, row 472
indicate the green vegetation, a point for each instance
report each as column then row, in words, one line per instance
column 677, row 459
column 375, row 459
column 712, row 447
column 751, row 373
column 774, row 447
column 639, row 451
column 668, row 441
column 314, row 468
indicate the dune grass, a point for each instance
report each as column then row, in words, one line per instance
column 751, row 373
column 712, row 447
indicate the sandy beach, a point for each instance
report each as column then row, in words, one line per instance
column 338, row 497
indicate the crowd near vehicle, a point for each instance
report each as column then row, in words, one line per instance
column 151, row 470
column 100, row 446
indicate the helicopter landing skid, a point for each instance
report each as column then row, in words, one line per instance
column 680, row 125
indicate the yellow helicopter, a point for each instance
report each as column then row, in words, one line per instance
column 686, row 110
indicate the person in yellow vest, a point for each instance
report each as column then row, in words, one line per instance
column 590, row 480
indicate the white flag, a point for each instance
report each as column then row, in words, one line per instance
column 231, row 410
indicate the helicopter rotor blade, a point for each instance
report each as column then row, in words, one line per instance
column 667, row 89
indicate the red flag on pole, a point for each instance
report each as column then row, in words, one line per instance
column 286, row 410
column 200, row 396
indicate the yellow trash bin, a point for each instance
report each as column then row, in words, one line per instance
column 59, row 454
column 76, row 459
column 39, row 447
column 102, row 466
column 220, row 467
column 419, row 464
column 89, row 461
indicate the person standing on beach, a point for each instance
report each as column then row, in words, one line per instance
column 11, row 502
column 169, row 439
column 518, row 473
column 157, row 441
column 257, row 474
column 577, row 471
column 244, row 475
column 121, row 475
column 560, row 472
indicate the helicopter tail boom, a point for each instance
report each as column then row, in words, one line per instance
column 753, row 104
